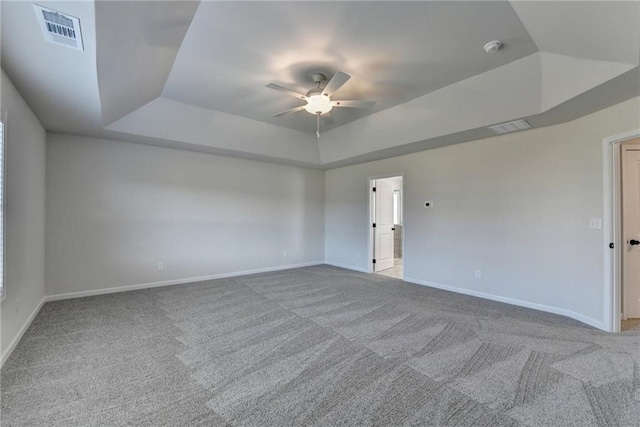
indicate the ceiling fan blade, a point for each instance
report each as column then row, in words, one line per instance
column 289, row 111
column 287, row 91
column 353, row 104
column 335, row 83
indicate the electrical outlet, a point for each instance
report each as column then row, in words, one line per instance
column 161, row 266
column 17, row 306
column 478, row 274
column 595, row 223
column 284, row 254
column 428, row 204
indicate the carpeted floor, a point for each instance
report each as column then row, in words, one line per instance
column 315, row 346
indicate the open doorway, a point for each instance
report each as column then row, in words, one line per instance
column 387, row 226
column 621, row 233
column 630, row 233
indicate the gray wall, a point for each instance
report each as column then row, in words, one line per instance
column 24, row 232
column 516, row 207
column 116, row 209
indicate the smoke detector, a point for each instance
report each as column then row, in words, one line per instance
column 59, row 28
column 493, row 46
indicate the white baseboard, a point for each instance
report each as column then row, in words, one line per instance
column 598, row 324
column 347, row 266
column 24, row 328
column 521, row 303
column 104, row 291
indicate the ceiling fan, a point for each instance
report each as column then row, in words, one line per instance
column 319, row 100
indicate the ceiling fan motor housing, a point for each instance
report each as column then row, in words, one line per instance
column 318, row 78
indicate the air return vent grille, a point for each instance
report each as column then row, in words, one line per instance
column 59, row 28
column 510, row 127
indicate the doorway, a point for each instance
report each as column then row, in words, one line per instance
column 387, row 226
column 630, row 233
column 616, row 293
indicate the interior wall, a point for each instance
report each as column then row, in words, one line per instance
column 25, row 216
column 116, row 209
column 517, row 207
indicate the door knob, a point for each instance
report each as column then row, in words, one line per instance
column 633, row 242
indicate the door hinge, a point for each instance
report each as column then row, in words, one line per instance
column 374, row 260
column 611, row 246
column 374, row 189
column 374, row 225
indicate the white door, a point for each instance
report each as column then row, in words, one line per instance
column 383, row 232
column 631, row 230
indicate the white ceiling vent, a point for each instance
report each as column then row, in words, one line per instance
column 510, row 127
column 59, row 28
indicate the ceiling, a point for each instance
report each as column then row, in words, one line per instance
column 192, row 75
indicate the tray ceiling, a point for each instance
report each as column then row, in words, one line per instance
column 192, row 74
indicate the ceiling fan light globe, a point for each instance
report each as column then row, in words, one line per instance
column 318, row 104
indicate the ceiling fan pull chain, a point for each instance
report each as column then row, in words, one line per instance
column 318, row 125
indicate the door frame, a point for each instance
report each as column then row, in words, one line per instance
column 371, row 206
column 611, row 227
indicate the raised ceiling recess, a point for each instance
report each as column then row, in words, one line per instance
column 192, row 75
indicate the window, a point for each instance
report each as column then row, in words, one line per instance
column 397, row 207
column 2, row 142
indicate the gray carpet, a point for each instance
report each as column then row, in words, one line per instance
column 315, row 346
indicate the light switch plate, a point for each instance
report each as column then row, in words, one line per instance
column 595, row 223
